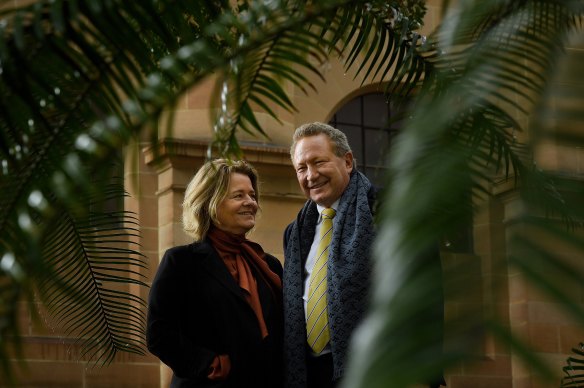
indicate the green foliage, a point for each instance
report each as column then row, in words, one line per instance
column 81, row 79
column 86, row 259
column 573, row 376
column 66, row 69
column 491, row 62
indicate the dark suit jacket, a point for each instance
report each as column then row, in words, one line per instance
column 434, row 317
column 197, row 311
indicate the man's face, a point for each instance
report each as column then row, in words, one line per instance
column 323, row 176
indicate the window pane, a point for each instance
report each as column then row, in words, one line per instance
column 376, row 146
column 375, row 175
column 353, row 133
column 375, row 111
column 371, row 133
column 350, row 113
column 397, row 120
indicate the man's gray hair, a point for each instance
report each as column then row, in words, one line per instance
column 337, row 137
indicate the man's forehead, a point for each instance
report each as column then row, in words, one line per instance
column 311, row 153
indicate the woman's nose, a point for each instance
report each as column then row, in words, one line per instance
column 249, row 201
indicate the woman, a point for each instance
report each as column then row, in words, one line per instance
column 215, row 306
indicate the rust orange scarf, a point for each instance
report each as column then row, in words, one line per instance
column 239, row 254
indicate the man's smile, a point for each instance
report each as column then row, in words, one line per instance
column 317, row 185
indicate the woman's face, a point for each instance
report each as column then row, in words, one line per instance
column 236, row 213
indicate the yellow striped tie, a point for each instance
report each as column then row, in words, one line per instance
column 317, row 315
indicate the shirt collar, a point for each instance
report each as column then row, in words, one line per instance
column 320, row 208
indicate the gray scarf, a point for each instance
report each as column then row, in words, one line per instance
column 349, row 270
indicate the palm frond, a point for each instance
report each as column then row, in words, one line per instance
column 573, row 371
column 63, row 68
column 13, row 291
column 484, row 68
column 79, row 78
column 296, row 43
column 90, row 263
column 258, row 80
column 386, row 42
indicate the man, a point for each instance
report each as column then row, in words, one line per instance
column 316, row 352
column 317, row 334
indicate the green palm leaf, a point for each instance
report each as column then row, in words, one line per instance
column 64, row 66
column 462, row 137
column 90, row 261
column 573, row 371
column 79, row 79
column 257, row 70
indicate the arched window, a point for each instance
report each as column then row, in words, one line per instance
column 366, row 120
column 371, row 123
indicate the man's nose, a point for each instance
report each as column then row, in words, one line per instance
column 312, row 173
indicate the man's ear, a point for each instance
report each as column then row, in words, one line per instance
column 349, row 161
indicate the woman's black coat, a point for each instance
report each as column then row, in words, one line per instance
column 197, row 311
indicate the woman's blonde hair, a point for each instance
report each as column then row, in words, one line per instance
column 207, row 189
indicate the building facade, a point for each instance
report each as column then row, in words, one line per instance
column 157, row 175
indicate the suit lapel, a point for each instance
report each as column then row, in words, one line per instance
column 308, row 230
column 213, row 264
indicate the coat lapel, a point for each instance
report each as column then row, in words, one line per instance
column 211, row 262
